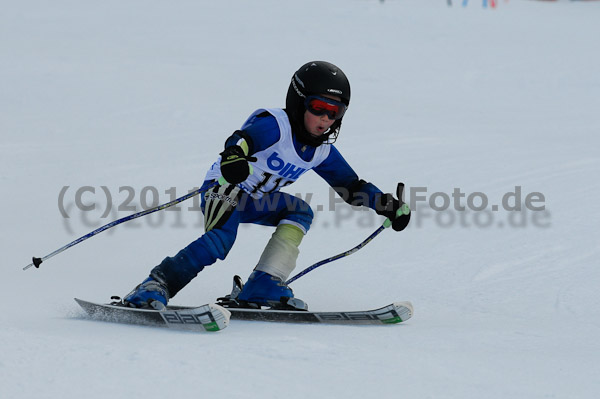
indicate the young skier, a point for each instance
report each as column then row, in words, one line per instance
column 273, row 149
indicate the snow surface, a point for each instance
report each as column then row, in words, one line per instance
column 143, row 93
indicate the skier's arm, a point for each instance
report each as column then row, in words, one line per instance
column 340, row 175
column 258, row 133
column 336, row 171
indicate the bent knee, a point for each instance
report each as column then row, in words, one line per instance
column 213, row 245
column 301, row 218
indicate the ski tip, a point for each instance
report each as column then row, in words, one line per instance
column 218, row 308
column 226, row 314
column 406, row 304
column 405, row 309
column 220, row 317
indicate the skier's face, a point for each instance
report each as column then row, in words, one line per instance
column 317, row 125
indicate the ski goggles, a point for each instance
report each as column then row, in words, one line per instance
column 319, row 106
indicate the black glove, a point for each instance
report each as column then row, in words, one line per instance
column 394, row 209
column 234, row 164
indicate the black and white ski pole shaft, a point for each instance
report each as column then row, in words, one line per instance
column 38, row 261
column 404, row 210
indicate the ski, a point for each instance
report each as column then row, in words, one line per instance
column 213, row 317
column 210, row 317
column 396, row 312
column 294, row 310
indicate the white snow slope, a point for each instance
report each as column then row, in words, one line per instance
column 144, row 93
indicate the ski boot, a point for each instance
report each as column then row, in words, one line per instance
column 263, row 289
column 150, row 294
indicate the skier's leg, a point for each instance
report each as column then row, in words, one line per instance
column 173, row 273
column 265, row 285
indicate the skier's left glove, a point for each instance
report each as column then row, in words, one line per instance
column 394, row 209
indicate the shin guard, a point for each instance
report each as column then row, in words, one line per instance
column 279, row 257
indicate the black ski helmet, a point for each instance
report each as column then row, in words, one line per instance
column 315, row 78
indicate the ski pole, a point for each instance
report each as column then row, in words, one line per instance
column 38, row 261
column 404, row 210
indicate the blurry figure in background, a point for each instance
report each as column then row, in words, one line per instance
column 273, row 149
column 484, row 3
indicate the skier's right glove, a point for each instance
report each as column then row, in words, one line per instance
column 394, row 209
column 234, row 164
